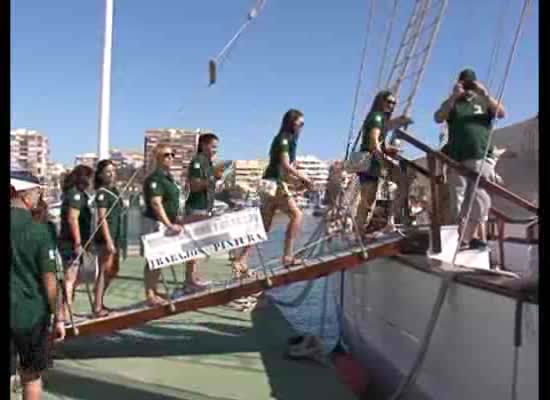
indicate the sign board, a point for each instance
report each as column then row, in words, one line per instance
column 204, row 238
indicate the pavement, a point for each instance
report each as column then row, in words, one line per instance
column 212, row 354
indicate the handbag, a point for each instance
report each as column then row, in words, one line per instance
column 359, row 161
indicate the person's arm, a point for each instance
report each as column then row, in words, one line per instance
column 101, row 214
column 398, row 122
column 375, row 145
column 74, row 226
column 160, row 213
column 102, row 207
column 289, row 169
column 197, row 183
column 46, row 259
column 494, row 107
column 442, row 114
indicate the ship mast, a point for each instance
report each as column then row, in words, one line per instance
column 105, row 95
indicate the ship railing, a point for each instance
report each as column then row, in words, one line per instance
column 436, row 159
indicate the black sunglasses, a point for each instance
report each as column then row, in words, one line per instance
column 392, row 102
column 166, row 155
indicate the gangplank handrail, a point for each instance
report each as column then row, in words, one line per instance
column 491, row 187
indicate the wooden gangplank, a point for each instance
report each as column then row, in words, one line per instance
column 312, row 269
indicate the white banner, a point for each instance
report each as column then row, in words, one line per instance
column 204, row 238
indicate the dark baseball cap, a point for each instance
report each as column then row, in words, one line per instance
column 467, row 75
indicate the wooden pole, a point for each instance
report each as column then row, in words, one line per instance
column 435, row 224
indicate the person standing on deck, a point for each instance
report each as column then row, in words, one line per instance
column 33, row 289
column 374, row 129
column 76, row 222
column 202, row 178
column 469, row 113
column 109, row 237
column 282, row 156
column 162, row 206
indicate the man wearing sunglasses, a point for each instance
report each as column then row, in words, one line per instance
column 469, row 113
column 162, row 202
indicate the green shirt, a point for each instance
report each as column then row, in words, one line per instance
column 283, row 143
column 107, row 198
column 374, row 119
column 201, row 167
column 73, row 198
column 469, row 127
column 33, row 255
column 162, row 184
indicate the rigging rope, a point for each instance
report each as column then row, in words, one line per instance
column 410, row 379
column 360, row 78
column 524, row 10
column 495, row 52
column 386, row 45
column 222, row 55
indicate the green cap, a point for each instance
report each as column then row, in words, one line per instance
column 467, row 75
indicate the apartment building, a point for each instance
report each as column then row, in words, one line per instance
column 120, row 158
column 314, row 168
column 247, row 175
column 183, row 141
column 29, row 149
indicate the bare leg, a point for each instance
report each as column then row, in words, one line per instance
column 151, row 278
column 105, row 263
column 112, row 272
column 71, row 276
column 190, row 271
column 366, row 204
column 296, row 216
column 32, row 386
column 268, row 212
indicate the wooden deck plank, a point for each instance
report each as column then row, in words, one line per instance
column 224, row 295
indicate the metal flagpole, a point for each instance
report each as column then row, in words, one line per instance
column 105, row 96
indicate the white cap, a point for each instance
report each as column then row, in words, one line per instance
column 21, row 185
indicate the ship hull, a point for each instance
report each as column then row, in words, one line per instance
column 386, row 308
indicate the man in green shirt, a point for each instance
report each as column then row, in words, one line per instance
column 162, row 209
column 202, row 178
column 33, row 288
column 469, row 113
column 279, row 172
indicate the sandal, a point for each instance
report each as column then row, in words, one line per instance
column 101, row 313
column 155, row 302
column 240, row 270
column 292, row 262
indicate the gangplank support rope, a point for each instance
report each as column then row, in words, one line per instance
column 360, row 77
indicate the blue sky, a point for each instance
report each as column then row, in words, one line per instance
column 302, row 54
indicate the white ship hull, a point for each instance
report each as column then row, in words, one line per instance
column 387, row 305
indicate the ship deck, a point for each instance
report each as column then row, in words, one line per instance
column 215, row 353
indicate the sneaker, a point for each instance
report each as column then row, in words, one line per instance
column 476, row 244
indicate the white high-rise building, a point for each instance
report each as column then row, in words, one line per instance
column 247, row 174
column 314, row 168
column 30, row 150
